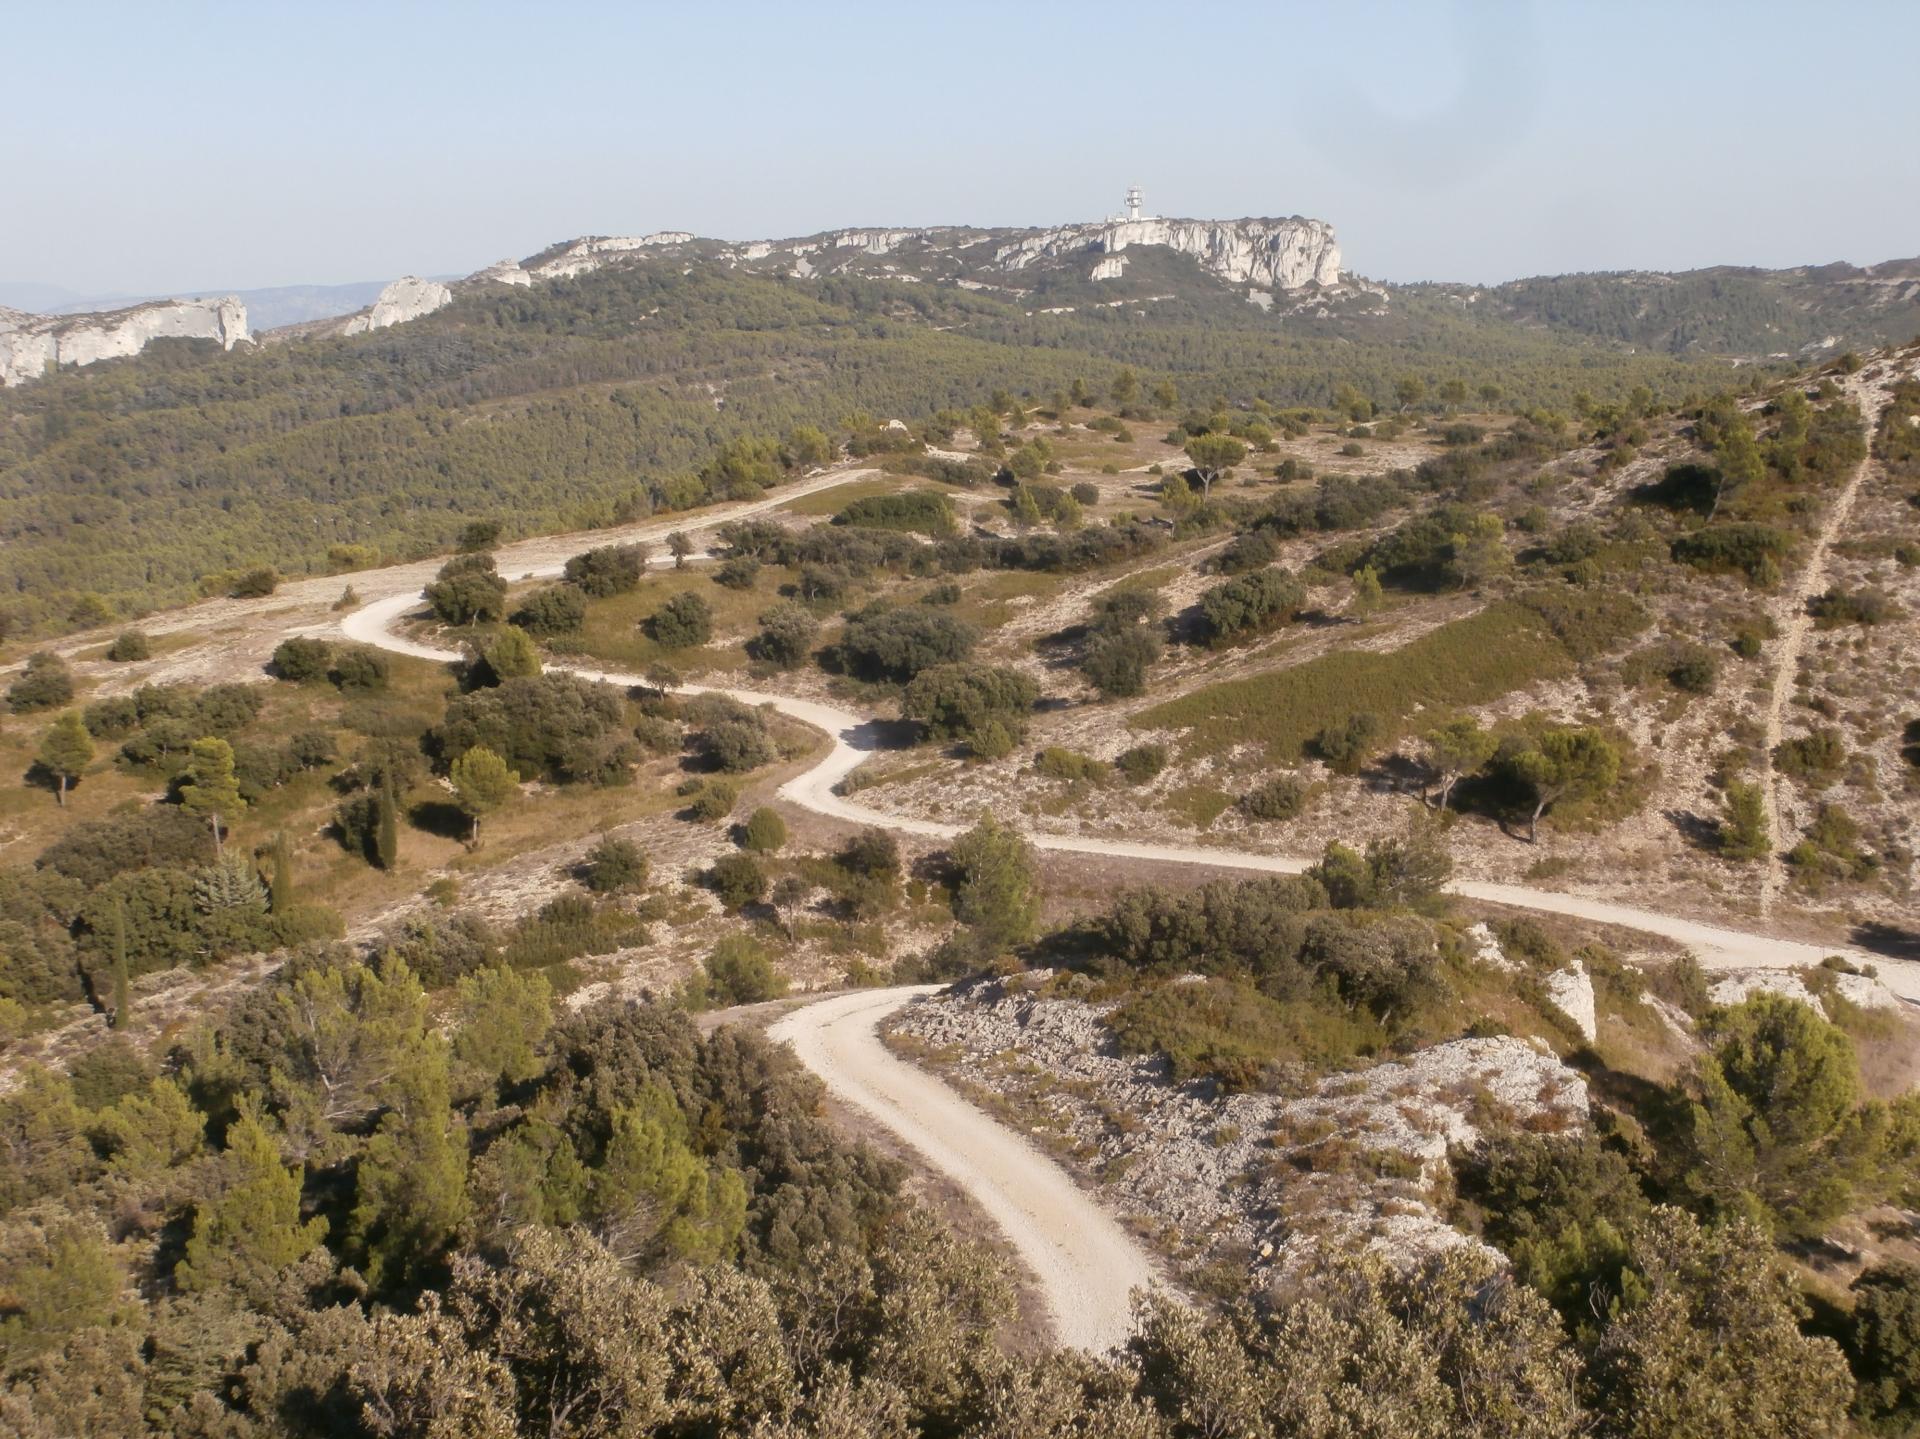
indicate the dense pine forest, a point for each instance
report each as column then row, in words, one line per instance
column 580, row 403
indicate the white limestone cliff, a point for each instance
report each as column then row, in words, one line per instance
column 1271, row 254
column 407, row 298
column 30, row 344
column 581, row 256
column 503, row 272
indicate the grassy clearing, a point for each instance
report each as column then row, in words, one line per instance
column 832, row 501
column 613, row 634
column 1470, row 661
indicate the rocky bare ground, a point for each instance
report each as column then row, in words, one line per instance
column 1249, row 1181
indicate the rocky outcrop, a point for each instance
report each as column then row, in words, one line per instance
column 1864, row 991
column 579, row 257
column 1349, row 1160
column 407, row 298
column 1271, row 254
column 31, row 344
column 502, row 272
column 1571, row 990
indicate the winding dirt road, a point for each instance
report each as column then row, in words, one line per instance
column 1086, row 1265
column 856, row 738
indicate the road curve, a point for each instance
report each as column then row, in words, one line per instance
column 1086, row 1265
column 854, row 739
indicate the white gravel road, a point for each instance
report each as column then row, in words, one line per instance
column 1086, row 1265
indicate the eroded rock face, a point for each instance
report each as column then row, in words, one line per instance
column 407, row 298
column 1270, row 254
column 30, row 344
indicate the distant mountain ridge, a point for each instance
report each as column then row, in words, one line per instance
column 1289, row 266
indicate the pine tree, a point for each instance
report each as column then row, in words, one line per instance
column 386, row 834
column 211, row 789
column 412, row 1178
column 252, row 1227
column 481, row 784
column 65, row 750
column 995, row 896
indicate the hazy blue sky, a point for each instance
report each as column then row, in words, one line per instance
column 185, row 146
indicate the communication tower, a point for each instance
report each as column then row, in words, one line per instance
column 1134, row 201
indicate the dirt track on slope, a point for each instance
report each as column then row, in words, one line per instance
column 1087, row 1266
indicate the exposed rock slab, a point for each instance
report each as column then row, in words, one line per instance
column 407, row 298
column 1259, row 1177
column 31, row 344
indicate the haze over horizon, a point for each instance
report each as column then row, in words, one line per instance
column 1473, row 142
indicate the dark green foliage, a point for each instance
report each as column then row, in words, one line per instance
column 1832, row 850
column 615, row 865
column 739, row 972
column 1347, row 746
column 1561, row 1208
column 765, row 832
column 995, row 887
column 95, row 851
column 554, row 726
column 1142, row 763
column 477, row 536
column 468, row 591
column 1248, row 550
column 1815, row 758
column 732, row 736
column 737, row 572
column 609, row 570
column 683, row 622
column 359, row 669
column 713, row 799
column 45, row 684
column 1884, row 1346
column 738, row 879
column 356, row 824
column 786, row 637
column 439, row 951
column 300, row 659
column 1778, row 1131
column 1692, row 668
column 1280, row 798
column 386, row 830
column 972, row 703
column 1249, row 605
column 1839, row 606
column 1750, row 549
column 1743, row 831
column 897, row 644
column 253, row 584
column 554, row 610
column 128, row 647
column 923, row 511
column 1251, row 927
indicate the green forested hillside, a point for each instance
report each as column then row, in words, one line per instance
column 584, row 401
column 1724, row 310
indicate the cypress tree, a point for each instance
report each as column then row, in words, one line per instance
column 121, row 1001
column 281, row 892
column 386, row 838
